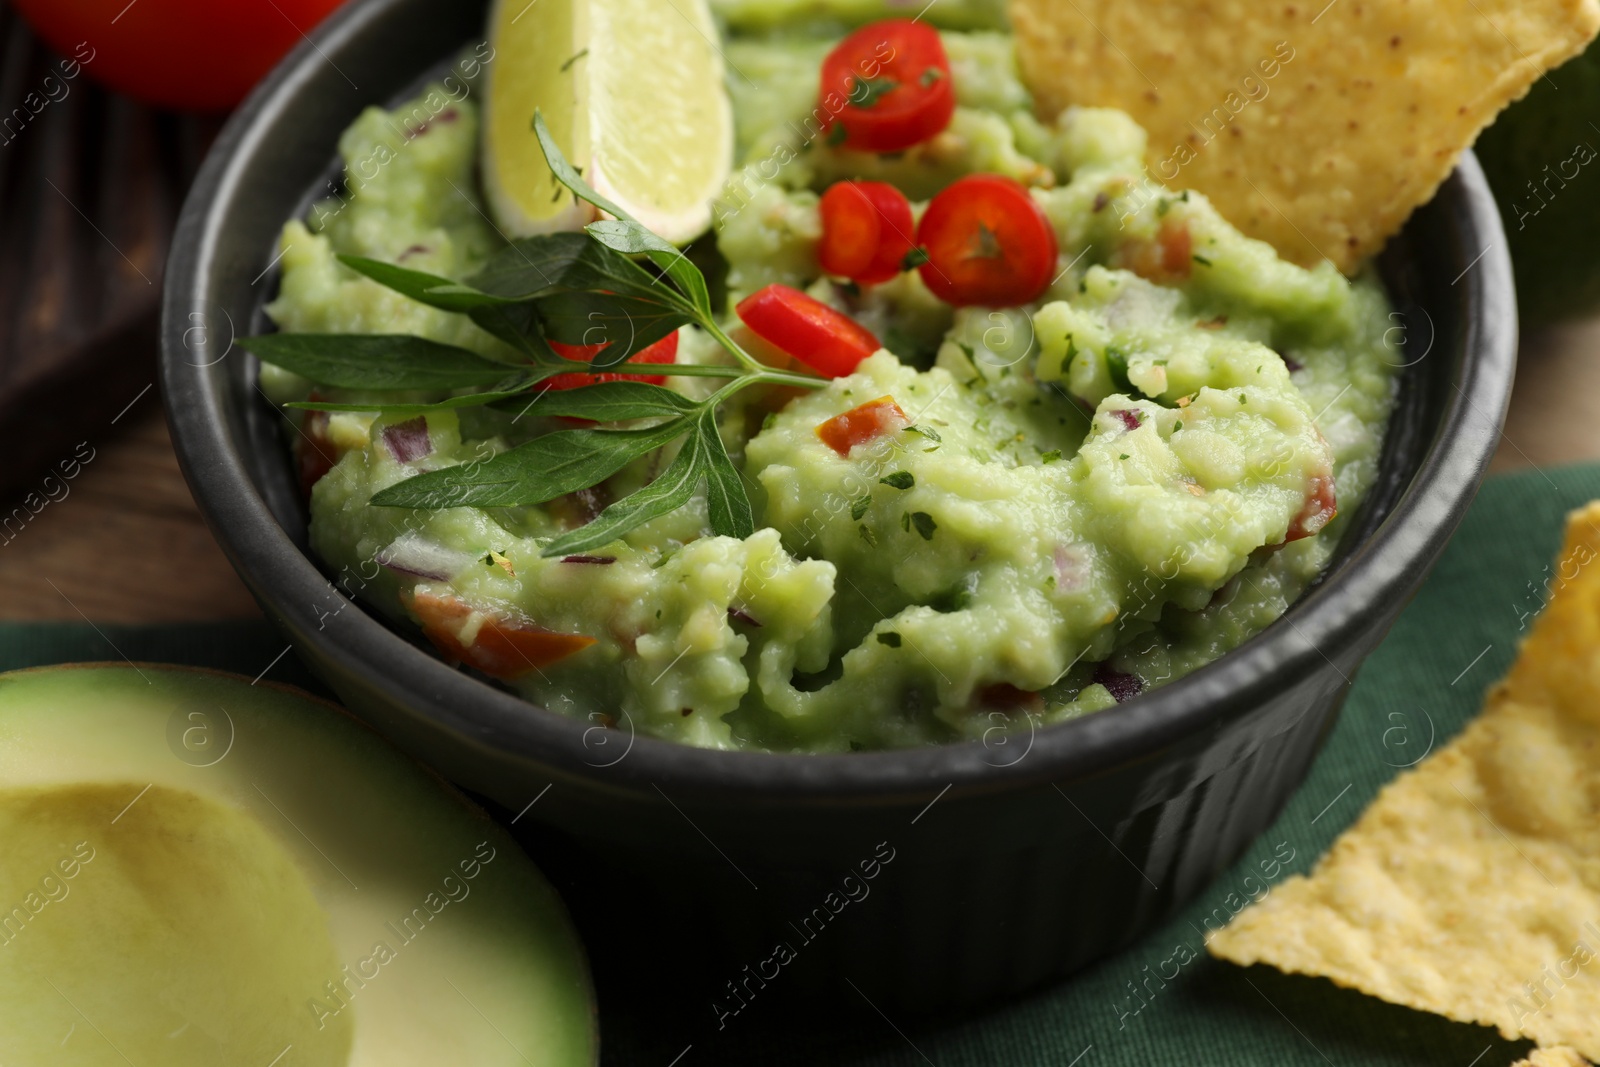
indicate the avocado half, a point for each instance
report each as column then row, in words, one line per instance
column 198, row 871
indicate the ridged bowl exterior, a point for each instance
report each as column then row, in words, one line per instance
column 1009, row 861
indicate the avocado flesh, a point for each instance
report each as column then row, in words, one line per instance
column 183, row 929
column 286, row 879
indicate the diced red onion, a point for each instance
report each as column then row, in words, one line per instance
column 408, row 441
column 1072, row 567
column 1130, row 418
column 1122, row 687
column 413, row 554
column 740, row 615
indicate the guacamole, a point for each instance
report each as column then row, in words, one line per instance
column 1088, row 496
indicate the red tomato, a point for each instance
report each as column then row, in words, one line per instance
column 503, row 647
column 1166, row 259
column 863, row 423
column 1177, row 249
column 314, row 451
column 887, row 87
column 1320, row 507
column 988, row 243
column 201, row 55
column 866, row 231
column 663, row 351
column 828, row 342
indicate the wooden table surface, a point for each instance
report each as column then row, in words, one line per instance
column 125, row 544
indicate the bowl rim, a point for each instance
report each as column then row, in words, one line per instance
column 1309, row 635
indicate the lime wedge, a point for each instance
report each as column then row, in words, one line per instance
column 632, row 90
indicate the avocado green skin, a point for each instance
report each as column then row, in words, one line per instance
column 1542, row 158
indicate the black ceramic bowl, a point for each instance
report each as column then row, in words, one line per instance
column 994, row 866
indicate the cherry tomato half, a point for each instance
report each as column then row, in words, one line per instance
column 663, row 351
column 196, row 54
column 887, row 87
column 988, row 243
column 866, row 231
column 828, row 342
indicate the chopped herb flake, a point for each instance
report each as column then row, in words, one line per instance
column 866, row 92
column 924, row 524
column 1050, row 456
column 899, row 480
column 859, row 506
column 868, row 536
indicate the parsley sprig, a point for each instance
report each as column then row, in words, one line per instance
column 574, row 288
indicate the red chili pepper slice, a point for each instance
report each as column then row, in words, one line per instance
column 867, row 230
column 663, row 351
column 988, row 243
column 823, row 339
column 887, row 87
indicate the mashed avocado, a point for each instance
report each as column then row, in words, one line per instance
column 1096, row 494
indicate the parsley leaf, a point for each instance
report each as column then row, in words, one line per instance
column 899, row 480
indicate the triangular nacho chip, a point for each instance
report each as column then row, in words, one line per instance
column 1471, row 886
column 1317, row 126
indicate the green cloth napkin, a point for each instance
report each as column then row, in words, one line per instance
column 1417, row 691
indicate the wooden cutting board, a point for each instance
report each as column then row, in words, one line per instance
column 90, row 188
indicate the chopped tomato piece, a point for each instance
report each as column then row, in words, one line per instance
column 887, row 87
column 988, row 243
column 863, row 423
column 829, row 342
column 1177, row 248
column 503, row 647
column 314, row 451
column 663, row 351
column 866, row 231
column 1320, row 507
column 1169, row 258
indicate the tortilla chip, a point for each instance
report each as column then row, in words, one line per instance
column 1315, row 125
column 1559, row 1056
column 1471, row 886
